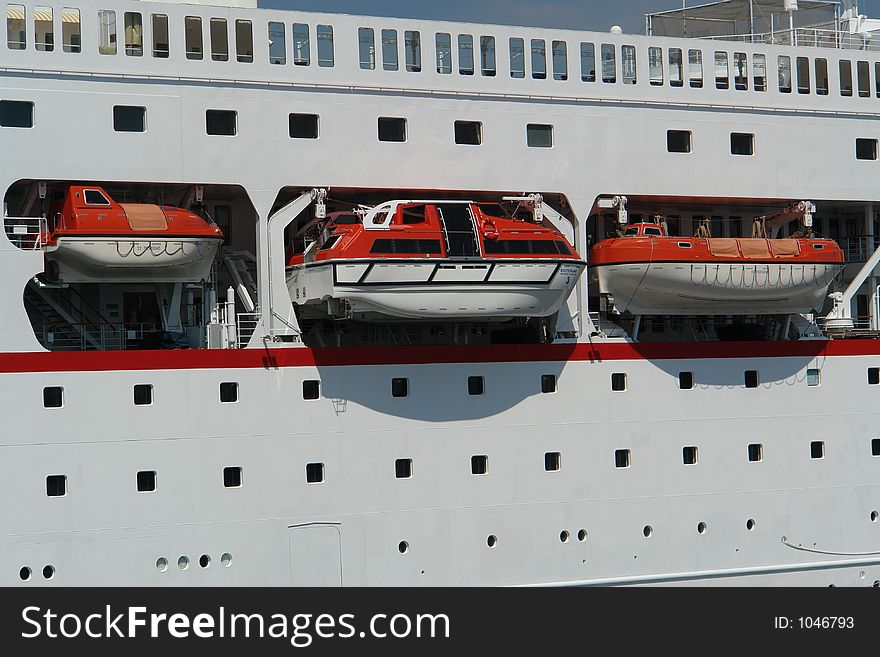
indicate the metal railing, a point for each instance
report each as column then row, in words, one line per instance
column 27, row 233
column 247, row 324
column 99, row 337
column 858, row 249
column 803, row 36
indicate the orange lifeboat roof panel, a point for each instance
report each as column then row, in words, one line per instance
column 144, row 217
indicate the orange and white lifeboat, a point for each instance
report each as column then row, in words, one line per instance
column 436, row 259
column 645, row 272
column 92, row 238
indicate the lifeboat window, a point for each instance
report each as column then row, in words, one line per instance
column 689, row 455
column 403, row 468
column 817, row 449
column 818, row 247
column 311, row 390
column 326, row 58
column 146, row 481
column 476, row 386
column 742, row 143
column 71, row 37
column 56, row 485
column 539, row 136
column 53, row 397
column 399, row 387
column 143, row 394
column 277, row 45
column 813, row 377
column 740, row 71
column 866, row 149
column 302, row 50
column 548, row 384
column 413, row 215
column 802, row 67
column 412, row 46
column 244, row 41
column 759, row 72
column 656, row 232
column 751, row 378
column 469, row 133
column 756, row 452
column 821, row 76
column 107, row 32
column 695, row 68
column 655, row 66
column 16, row 114
column 678, row 141
column 622, row 458
column 330, row 243
column 406, row 247
column 480, row 464
column 232, row 477
column 94, row 197
column 676, row 68
column 466, row 54
column 609, row 63
column 390, row 60
column 524, row 247
column 560, row 60
column 221, row 122
column 686, row 380
column 618, row 382
column 563, row 248
column 539, row 59
column 875, row 447
column 553, row 461
column 367, row 48
column 487, row 56
column 134, row 33
column 588, row 62
column 194, row 39
column 443, row 42
column 392, row 129
column 846, row 83
column 219, row 40
column 229, row 392
column 863, row 72
column 628, row 64
column 722, row 70
column 873, row 376
column 517, row 58
column 44, row 33
column 129, row 119
column 303, row 126
column 631, row 231
column 685, row 245
column 160, row 36
column 315, row 473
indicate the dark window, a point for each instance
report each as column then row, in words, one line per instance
column 232, row 477
column 476, row 385
column 330, row 243
column 415, row 214
column 146, row 481
column 525, row 247
column 552, row 461
column 802, row 70
column 817, row 449
column 469, row 133
column 539, row 136
column 756, row 452
column 403, row 468
column 866, row 149
column 846, row 83
column 678, row 141
column 129, row 119
column 311, row 390
column 143, row 394
column 229, row 392
column 742, row 143
column 875, row 447
column 618, row 381
column 16, row 114
column 53, row 397
column 406, row 247
column 391, row 129
column 221, row 122
column 751, row 378
column 622, row 458
column 303, row 126
column 548, row 383
column 479, row 464
column 314, row 473
column 689, row 455
column 400, row 387
column 873, row 376
column 686, row 380
column 56, row 485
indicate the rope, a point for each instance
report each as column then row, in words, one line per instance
column 642, row 280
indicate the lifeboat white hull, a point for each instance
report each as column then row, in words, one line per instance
column 715, row 288
column 438, row 289
column 126, row 260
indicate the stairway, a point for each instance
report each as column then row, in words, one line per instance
column 64, row 321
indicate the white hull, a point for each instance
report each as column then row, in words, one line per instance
column 715, row 288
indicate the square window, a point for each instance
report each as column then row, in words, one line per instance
column 143, row 394
column 56, row 485
column 552, row 461
column 232, row 477
column 539, row 136
column 400, row 387
column 403, row 468
column 315, row 473
column 303, row 126
column 479, row 464
column 548, row 384
column 686, row 380
column 16, row 114
column 391, row 129
column 742, row 143
column 53, row 397
column 756, row 452
column 622, row 458
column 817, row 449
column 129, row 119
column 311, row 390
column 678, row 141
column 814, row 377
column 873, row 376
column 618, row 382
column 866, row 149
column 689, row 455
column 751, row 378
column 229, row 392
column 476, row 386
column 146, row 481
column 875, row 447
column 469, row 133
column 221, row 122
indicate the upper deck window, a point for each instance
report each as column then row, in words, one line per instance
column 846, row 83
column 94, row 197
column 560, row 60
column 588, row 62
column 302, row 50
column 219, row 40
column 134, row 34
column 628, row 64
column 44, row 32
column 443, row 42
column 325, row 46
column 676, row 68
column 517, row 58
column 863, row 72
column 412, row 45
column 466, row 54
column 740, row 71
column 802, row 69
column 759, row 71
column 609, row 63
column 160, row 36
column 390, row 59
column 695, row 68
column 71, row 36
column 539, row 59
column 784, row 74
column 244, row 41
column 821, row 76
column 16, row 32
column 722, row 70
column 107, row 32
column 194, row 43
column 277, row 44
column 655, row 66
column 488, row 65
column 367, row 48
column 877, row 78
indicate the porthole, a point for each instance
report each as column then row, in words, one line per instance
column 161, row 564
column 564, row 536
column 751, row 524
column 183, row 563
column 403, row 547
column 648, row 531
column 226, row 560
column 48, row 572
column 25, row 574
column 874, row 516
column 701, row 528
column 204, row 561
column 492, row 541
column 582, row 535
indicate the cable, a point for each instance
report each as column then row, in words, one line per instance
column 828, row 552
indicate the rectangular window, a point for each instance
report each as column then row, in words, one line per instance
column 802, row 69
column 622, row 458
column 742, row 143
column 678, row 141
column 877, row 79
column 302, row 49
column 548, row 384
column 194, row 40
column 146, row 481
column 875, row 447
column 553, row 461
column 390, row 60
column 412, row 45
column 160, row 36
column 134, row 34
column 740, row 71
column 311, row 390
column 539, row 136
column 326, row 58
column 609, row 63
column 367, row 48
column 106, row 32
column 686, row 380
column 466, row 54
column 759, row 71
column 400, row 387
column 628, row 64
column 846, row 83
column 751, row 379
column 44, row 31
column 232, row 477
column 16, row 30
column 303, row 126
column 488, row 64
column 655, row 66
column 722, row 71
column 476, row 386
column 392, row 129
column 813, row 377
column 517, row 58
column 129, row 119
column 784, row 74
column 588, row 62
column 689, row 455
column 443, row 43
column 479, row 464
column 53, row 397
column 16, row 114
column 695, row 68
column 56, row 485
column 821, row 76
column 221, row 122
column 219, row 40
column 314, row 473
column 539, row 59
column 228, row 392
column 469, row 133
column 277, row 44
column 143, row 394
column 244, row 41
column 873, row 376
column 756, row 452
column 618, row 382
column 71, row 37
column 866, row 149
column 676, row 68
column 863, row 72
column 403, row 468
column 817, row 449
column 559, row 51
